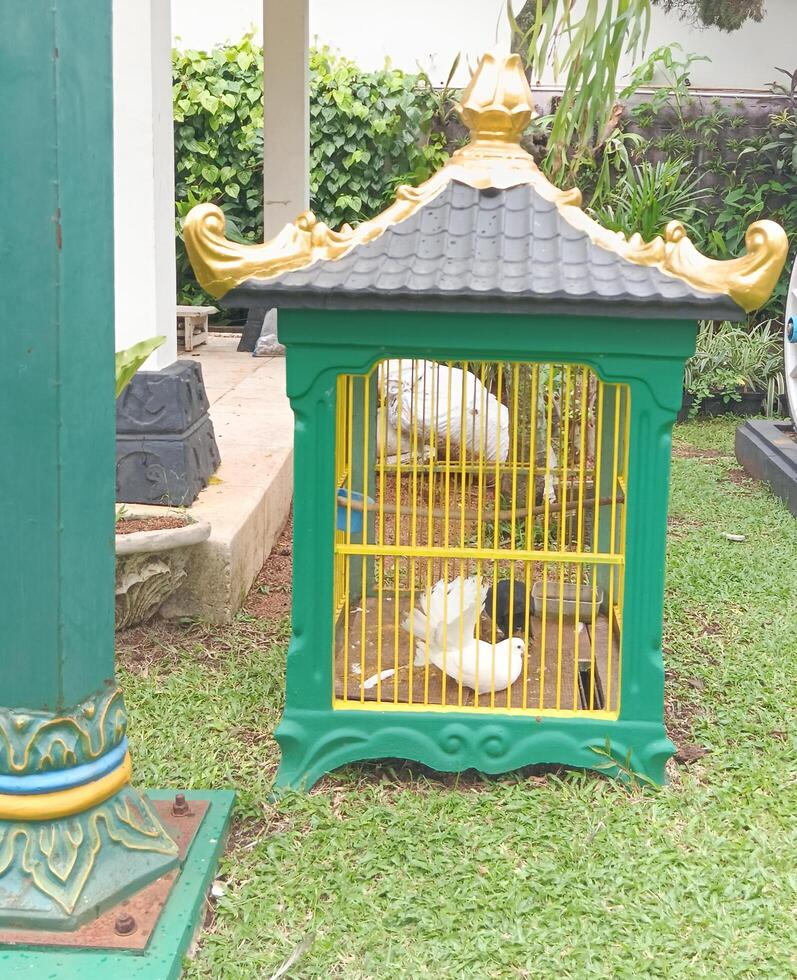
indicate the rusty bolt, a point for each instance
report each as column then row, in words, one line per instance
column 125, row 924
column 180, row 806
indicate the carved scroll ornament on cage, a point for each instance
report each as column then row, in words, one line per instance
column 480, row 537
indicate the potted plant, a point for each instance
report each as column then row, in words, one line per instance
column 766, row 373
column 733, row 370
column 151, row 549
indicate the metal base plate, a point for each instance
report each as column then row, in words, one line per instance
column 144, row 908
column 166, row 913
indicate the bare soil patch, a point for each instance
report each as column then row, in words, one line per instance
column 679, row 526
column 270, row 596
column 129, row 525
column 709, row 626
column 398, row 775
column 268, row 602
column 739, row 477
column 687, row 753
column 682, row 450
column 680, row 716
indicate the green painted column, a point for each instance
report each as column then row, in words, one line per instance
column 74, row 837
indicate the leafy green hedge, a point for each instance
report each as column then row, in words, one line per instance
column 364, row 139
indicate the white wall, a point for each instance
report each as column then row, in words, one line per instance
column 144, row 177
column 743, row 59
column 431, row 32
column 367, row 30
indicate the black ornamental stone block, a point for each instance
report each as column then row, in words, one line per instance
column 768, row 451
column 166, row 449
column 167, row 401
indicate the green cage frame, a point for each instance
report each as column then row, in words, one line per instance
column 649, row 356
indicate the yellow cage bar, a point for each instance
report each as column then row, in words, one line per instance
column 480, row 537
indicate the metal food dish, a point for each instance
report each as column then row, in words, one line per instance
column 568, row 600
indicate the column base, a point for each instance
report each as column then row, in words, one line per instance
column 58, row 874
column 165, row 914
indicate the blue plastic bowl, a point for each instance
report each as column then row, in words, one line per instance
column 342, row 514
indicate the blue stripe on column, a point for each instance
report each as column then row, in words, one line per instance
column 58, row 779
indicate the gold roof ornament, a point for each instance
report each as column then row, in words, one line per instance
column 496, row 106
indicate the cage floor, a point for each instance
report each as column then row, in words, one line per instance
column 562, row 682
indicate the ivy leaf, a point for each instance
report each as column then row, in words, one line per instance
column 209, row 102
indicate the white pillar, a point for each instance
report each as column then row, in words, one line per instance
column 286, row 132
column 145, row 270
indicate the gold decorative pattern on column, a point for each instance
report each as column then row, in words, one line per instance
column 36, row 742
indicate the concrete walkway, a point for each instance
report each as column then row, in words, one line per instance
column 250, row 497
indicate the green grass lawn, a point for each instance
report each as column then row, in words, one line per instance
column 391, row 871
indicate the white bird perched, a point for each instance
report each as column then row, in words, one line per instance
column 430, row 402
column 450, row 611
column 428, row 405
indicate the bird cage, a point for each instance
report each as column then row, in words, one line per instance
column 484, row 382
column 479, row 502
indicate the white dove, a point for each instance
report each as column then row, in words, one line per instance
column 436, row 626
column 424, row 401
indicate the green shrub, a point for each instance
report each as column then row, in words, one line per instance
column 646, row 197
column 730, row 359
column 746, row 172
column 369, row 131
column 218, row 144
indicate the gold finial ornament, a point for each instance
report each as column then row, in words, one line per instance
column 496, row 106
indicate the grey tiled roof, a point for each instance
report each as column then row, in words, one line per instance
column 491, row 251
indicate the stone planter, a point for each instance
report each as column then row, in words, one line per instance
column 749, row 403
column 686, row 406
column 150, row 566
